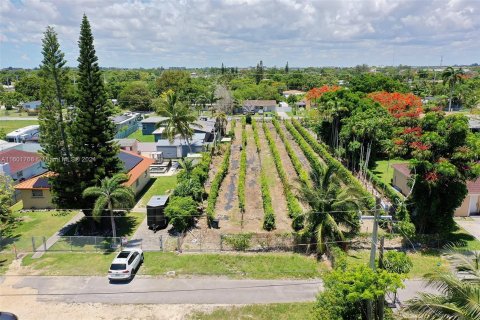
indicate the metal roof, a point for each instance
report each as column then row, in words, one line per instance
column 157, row 201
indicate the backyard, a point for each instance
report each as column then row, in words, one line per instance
column 11, row 125
column 384, row 170
column 159, row 186
column 142, row 138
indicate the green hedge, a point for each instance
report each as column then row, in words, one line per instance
column 255, row 135
column 294, row 208
column 215, row 188
column 386, row 189
column 269, row 215
column 343, row 173
column 297, row 164
column 243, row 171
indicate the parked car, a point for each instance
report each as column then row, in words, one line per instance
column 7, row 316
column 125, row 264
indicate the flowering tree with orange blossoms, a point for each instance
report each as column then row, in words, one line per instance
column 314, row 94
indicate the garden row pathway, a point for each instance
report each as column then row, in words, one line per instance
column 253, row 216
column 226, row 208
column 279, row 201
column 296, row 148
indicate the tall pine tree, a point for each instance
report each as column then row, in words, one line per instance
column 55, row 138
column 92, row 128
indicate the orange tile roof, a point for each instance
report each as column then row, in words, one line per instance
column 139, row 169
column 28, row 184
column 133, row 174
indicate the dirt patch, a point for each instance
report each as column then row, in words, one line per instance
column 297, row 149
column 279, row 202
column 23, row 302
column 226, row 208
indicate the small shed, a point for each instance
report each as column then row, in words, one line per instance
column 155, row 212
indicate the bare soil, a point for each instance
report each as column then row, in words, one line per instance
column 297, row 149
column 279, row 202
column 226, row 208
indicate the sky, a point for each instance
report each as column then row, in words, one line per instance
column 189, row 33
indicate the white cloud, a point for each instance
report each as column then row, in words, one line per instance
column 241, row 32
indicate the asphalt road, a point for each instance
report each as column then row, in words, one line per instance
column 181, row 291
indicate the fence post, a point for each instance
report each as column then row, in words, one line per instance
column 44, row 244
column 221, row 242
column 95, row 243
column 178, row 243
column 33, row 244
column 161, row 243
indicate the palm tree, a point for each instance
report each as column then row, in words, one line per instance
column 460, row 294
column 180, row 119
column 451, row 76
column 221, row 122
column 187, row 165
column 111, row 194
column 332, row 206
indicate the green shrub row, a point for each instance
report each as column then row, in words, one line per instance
column 215, row 187
column 386, row 189
column 297, row 164
column 343, row 173
column 269, row 215
column 307, row 150
column 255, row 135
column 243, row 171
column 294, row 208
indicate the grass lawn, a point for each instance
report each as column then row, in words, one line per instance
column 161, row 185
column 384, row 169
column 5, row 261
column 11, row 125
column 423, row 262
column 463, row 239
column 13, row 113
column 279, row 311
column 256, row 266
column 35, row 224
column 142, row 138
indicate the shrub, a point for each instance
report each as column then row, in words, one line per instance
column 269, row 215
column 255, row 135
column 339, row 258
column 240, row 242
column 248, row 119
column 181, row 211
column 189, row 188
column 294, row 208
column 397, row 262
column 215, row 187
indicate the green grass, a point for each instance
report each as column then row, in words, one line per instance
column 423, row 262
column 35, row 224
column 142, row 138
column 252, row 266
column 14, row 113
column 161, row 185
column 384, row 169
column 5, row 261
column 463, row 239
column 278, row 311
column 11, row 125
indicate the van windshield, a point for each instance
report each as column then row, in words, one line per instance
column 118, row 266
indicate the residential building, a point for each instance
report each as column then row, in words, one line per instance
column 470, row 205
column 32, row 105
column 20, row 165
column 253, row 106
column 150, row 124
column 179, row 148
column 126, row 124
column 128, row 144
column 36, row 192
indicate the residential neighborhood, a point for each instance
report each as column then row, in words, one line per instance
column 240, row 160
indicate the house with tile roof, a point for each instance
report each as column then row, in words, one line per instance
column 21, row 165
column 36, row 193
column 470, row 205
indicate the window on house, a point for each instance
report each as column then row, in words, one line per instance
column 37, row 193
